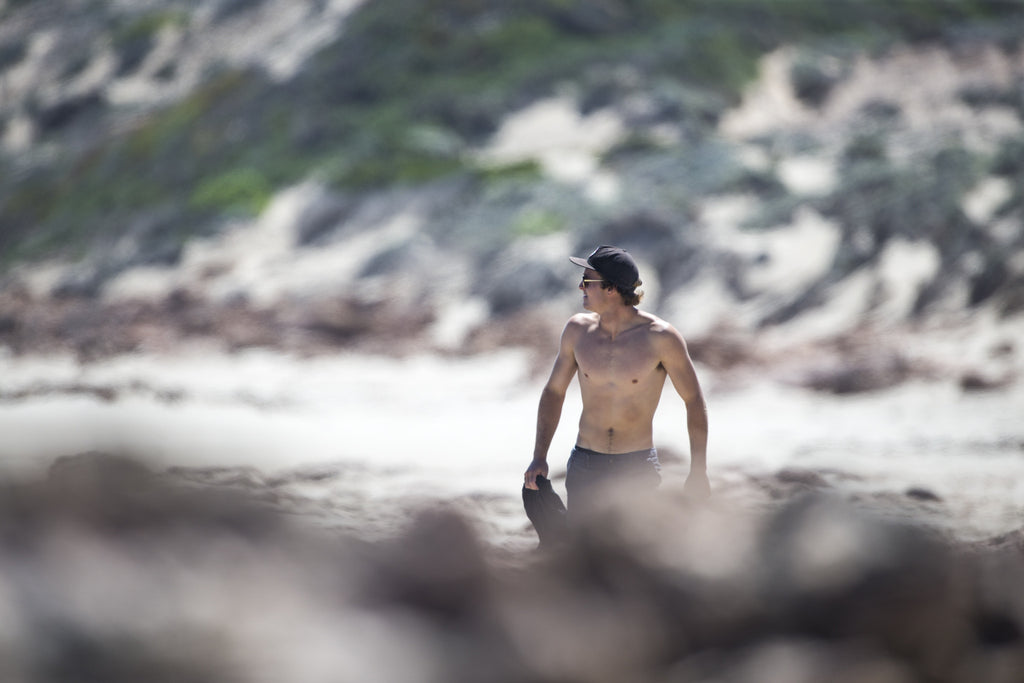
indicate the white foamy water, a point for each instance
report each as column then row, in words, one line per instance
column 448, row 427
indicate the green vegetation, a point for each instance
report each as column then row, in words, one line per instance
column 412, row 84
column 535, row 221
column 920, row 200
column 134, row 39
column 529, row 171
column 241, row 190
column 1009, row 164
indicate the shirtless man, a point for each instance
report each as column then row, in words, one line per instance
column 623, row 356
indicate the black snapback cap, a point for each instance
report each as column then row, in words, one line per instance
column 614, row 264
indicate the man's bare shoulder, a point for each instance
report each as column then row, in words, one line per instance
column 658, row 326
column 582, row 322
column 584, row 318
column 576, row 328
column 664, row 333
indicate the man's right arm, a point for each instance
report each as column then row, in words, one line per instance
column 549, row 412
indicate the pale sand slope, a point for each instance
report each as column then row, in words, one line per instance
column 349, row 439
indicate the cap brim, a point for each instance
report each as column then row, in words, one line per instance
column 581, row 262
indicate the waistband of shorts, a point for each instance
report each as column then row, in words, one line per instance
column 645, row 453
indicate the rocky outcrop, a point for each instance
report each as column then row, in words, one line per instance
column 119, row 573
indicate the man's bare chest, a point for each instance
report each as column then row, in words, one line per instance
column 624, row 361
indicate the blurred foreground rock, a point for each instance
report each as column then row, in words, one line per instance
column 111, row 572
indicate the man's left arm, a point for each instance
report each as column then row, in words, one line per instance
column 675, row 357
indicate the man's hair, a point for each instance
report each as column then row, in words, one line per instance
column 630, row 296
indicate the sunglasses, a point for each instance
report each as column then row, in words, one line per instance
column 584, row 283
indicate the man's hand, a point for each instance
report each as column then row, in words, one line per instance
column 536, row 467
column 697, row 485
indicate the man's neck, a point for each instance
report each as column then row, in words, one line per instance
column 617, row 319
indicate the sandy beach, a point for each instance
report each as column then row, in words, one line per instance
column 357, row 441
